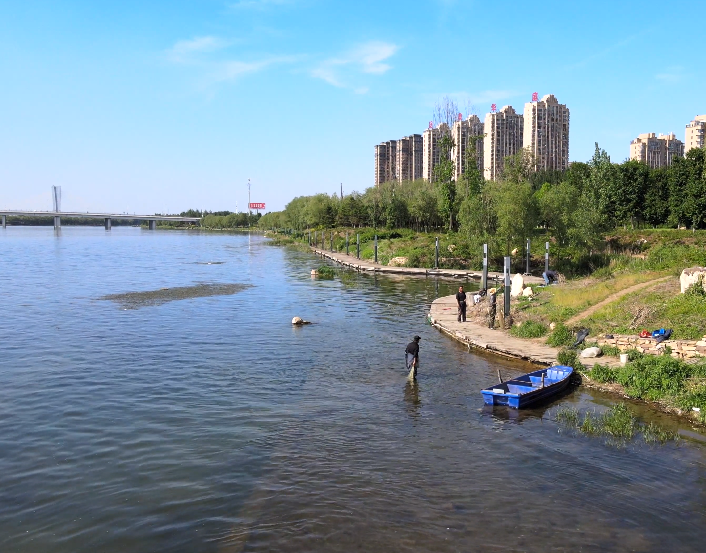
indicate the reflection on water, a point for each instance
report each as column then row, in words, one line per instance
column 211, row 424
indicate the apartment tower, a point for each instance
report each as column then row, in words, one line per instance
column 462, row 132
column 410, row 160
column 695, row 132
column 431, row 149
column 503, row 138
column 546, row 133
column 656, row 151
column 385, row 161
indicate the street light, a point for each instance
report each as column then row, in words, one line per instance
column 248, row 202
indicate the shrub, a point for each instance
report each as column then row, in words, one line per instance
column 612, row 351
column 561, row 336
column 603, row 373
column 569, row 358
column 326, row 272
column 654, row 376
column 529, row 329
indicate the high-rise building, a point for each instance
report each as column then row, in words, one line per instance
column 385, row 161
column 409, row 162
column 462, row 132
column 656, row 151
column 503, row 138
column 546, row 133
column 432, row 151
column 695, row 133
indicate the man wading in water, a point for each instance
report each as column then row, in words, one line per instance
column 461, row 300
column 411, row 356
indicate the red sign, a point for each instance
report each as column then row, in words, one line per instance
column 460, row 116
column 431, row 125
column 535, row 97
column 257, row 205
column 493, row 108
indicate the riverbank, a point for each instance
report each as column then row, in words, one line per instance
column 600, row 372
column 356, row 264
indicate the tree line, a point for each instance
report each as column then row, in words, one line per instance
column 577, row 206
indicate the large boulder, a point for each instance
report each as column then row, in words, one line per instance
column 398, row 262
column 691, row 276
column 518, row 283
column 527, row 292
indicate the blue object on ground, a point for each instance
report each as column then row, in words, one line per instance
column 527, row 389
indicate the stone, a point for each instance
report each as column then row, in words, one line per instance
column 518, row 283
column 398, row 262
column 527, row 292
column 297, row 321
column 314, row 272
column 513, row 253
column 552, row 326
column 591, row 352
column 451, row 248
column 691, row 276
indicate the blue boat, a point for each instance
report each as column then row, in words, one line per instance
column 529, row 388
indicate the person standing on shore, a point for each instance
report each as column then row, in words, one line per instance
column 492, row 307
column 411, row 356
column 461, row 300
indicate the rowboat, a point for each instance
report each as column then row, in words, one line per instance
column 529, row 388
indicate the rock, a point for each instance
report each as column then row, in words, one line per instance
column 691, row 276
column 518, row 283
column 513, row 252
column 552, row 326
column 398, row 262
column 452, row 247
column 527, row 292
column 314, row 272
column 591, row 352
column 299, row 321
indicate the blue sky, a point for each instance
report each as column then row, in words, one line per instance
column 169, row 105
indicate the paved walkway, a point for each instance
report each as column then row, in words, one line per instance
column 366, row 265
column 443, row 316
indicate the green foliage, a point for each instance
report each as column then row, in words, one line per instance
column 570, row 358
column 653, row 377
column 560, row 336
column 603, row 373
column 611, row 351
column 326, row 271
column 529, row 329
column 696, row 290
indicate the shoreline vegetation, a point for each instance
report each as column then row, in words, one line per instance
column 617, row 234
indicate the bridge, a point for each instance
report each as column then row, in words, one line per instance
column 107, row 217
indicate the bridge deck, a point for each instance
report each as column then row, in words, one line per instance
column 14, row 213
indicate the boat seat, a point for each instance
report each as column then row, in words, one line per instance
column 516, row 389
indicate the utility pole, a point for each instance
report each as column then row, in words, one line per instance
column 341, row 190
column 248, row 202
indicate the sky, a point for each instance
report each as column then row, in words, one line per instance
column 162, row 106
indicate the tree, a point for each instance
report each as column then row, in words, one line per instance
column 445, row 111
column 627, row 191
column 443, row 175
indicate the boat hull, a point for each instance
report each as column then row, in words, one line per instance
column 527, row 389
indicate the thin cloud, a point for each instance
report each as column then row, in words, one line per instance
column 233, row 69
column 673, row 74
column 610, row 49
column 184, row 50
column 366, row 58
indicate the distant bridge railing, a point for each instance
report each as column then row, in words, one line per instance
column 107, row 217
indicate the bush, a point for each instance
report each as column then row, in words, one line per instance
column 603, row 373
column 529, row 329
column 653, row 377
column 569, row 358
column 561, row 336
column 326, row 272
column 612, row 351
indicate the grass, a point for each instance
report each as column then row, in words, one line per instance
column 617, row 423
column 658, row 378
column 325, row 271
column 561, row 336
column 529, row 329
column 570, row 358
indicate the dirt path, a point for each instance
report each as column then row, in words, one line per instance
column 614, row 297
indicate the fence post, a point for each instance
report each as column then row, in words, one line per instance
column 436, row 254
column 527, row 271
column 484, row 278
column 331, row 241
column 346, row 242
column 376, row 248
column 357, row 242
column 506, row 274
column 546, row 256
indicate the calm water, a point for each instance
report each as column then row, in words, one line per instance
column 211, row 424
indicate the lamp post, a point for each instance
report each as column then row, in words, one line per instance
column 248, row 203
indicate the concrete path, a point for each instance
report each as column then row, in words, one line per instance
column 443, row 316
column 613, row 297
column 366, row 265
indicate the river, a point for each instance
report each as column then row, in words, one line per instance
column 209, row 423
